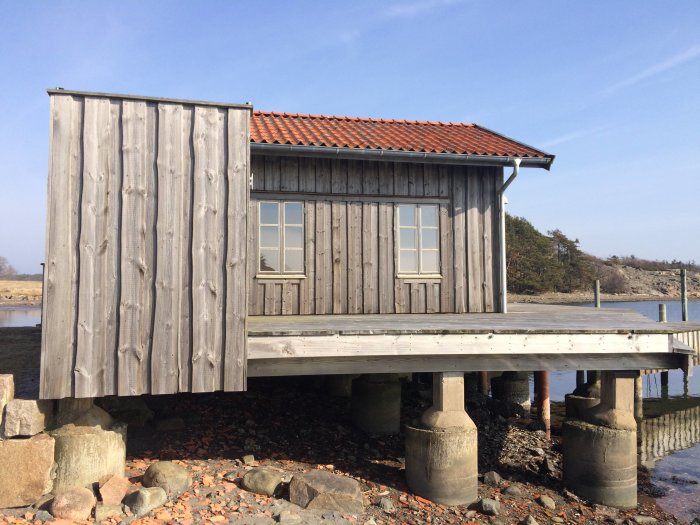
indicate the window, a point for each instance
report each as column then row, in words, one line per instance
column 418, row 239
column 281, row 247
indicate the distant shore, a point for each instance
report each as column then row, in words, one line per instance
column 20, row 293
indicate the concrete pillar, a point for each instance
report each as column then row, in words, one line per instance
column 441, row 454
column 584, row 397
column 600, row 450
column 512, row 387
column 376, row 403
column 340, row 385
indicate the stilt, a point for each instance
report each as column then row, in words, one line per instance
column 484, row 383
column 638, row 397
column 585, row 396
column 580, row 378
column 441, row 454
column 600, row 451
column 376, row 403
column 512, row 387
column 543, row 412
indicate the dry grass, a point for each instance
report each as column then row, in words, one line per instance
column 20, row 292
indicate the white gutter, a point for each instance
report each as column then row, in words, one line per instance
column 502, row 218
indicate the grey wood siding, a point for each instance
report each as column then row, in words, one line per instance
column 350, row 237
column 146, row 251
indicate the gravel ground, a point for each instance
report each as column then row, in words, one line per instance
column 292, row 424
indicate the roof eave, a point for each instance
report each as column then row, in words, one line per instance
column 398, row 155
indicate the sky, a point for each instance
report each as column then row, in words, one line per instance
column 612, row 88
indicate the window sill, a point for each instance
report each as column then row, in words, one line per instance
column 419, row 276
column 280, row 276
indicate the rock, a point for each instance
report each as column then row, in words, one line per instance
column 27, row 417
column 113, row 489
column 644, row 520
column 288, row 517
column 103, row 512
column 513, row 491
column 546, row 502
column 85, row 454
column 7, row 392
column 323, row 490
column 231, row 476
column 387, row 505
column 262, row 481
column 131, row 410
column 70, row 409
column 489, row 506
column 42, row 515
column 529, row 520
column 547, row 466
column 95, row 417
column 248, row 459
column 602, row 510
column 557, row 519
column 145, row 500
column 25, row 470
column 492, row 478
column 173, row 479
column 170, row 424
column 537, row 451
column 73, row 504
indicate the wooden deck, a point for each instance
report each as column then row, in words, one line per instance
column 529, row 337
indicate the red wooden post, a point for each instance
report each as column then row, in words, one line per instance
column 542, row 390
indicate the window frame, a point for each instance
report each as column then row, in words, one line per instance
column 281, row 240
column 418, row 250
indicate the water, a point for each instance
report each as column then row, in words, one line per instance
column 19, row 316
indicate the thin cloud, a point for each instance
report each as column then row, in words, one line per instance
column 411, row 9
column 574, row 135
column 688, row 55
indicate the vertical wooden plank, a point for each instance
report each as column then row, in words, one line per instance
column 307, row 298
column 254, row 308
column 287, row 297
column 289, row 174
column 97, row 300
column 459, row 213
column 354, row 176
column 474, row 241
column 272, row 173
column 270, row 306
column 208, row 245
column 444, row 181
column 415, row 179
column 488, row 211
column 137, row 246
column 59, row 312
column 235, row 355
column 386, row 258
column 324, row 265
column 257, row 169
column 323, row 175
column 339, row 176
column 386, row 178
column 418, row 300
column 354, row 218
column 431, row 180
column 401, row 178
column 164, row 349
column 307, row 174
column 370, row 258
column 370, row 178
column 432, row 298
column 447, row 250
column 496, row 235
column 340, row 255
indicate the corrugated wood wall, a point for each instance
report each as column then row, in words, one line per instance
column 146, row 252
column 350, row 240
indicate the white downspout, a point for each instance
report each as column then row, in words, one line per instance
column 502, row 218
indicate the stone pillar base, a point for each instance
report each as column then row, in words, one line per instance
column 376, row 404
column 600, row 464
column 576, row 406
column 441, row 465
column 512, row 387
column 340, row 385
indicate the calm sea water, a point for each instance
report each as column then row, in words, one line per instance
column 677, row 467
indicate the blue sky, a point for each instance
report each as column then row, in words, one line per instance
column 611, row 88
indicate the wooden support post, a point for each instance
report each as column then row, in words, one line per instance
column 580, row 378
column 664, row 374
column 596, row 293
column 684, row 295
column 484, row 383
column 638, row 397
column 543, row 412
column 662, row 313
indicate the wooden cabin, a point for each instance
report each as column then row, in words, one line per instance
column 192, row 244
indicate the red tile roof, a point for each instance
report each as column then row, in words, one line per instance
column 398, row 135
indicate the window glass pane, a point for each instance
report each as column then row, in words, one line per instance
column 293, row 213
column 269, row 237
column 407, row 215
column 269, row 260
column 430, row 262
column 294, row 261
column 293, row 237
column 429, row 238
column 428, row 216
column 269, row 213
column 408, row 261
column 407, row 238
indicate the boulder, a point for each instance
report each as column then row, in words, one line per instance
column 7, row 392
column 489, row 506
column 85, row 454
column 172, row 478
column 529, row 520
column 73, row 504
column 113, row 488
column 492, row 478
column 262, row 480
column 321, row 490
column 25, row 470
column 69, row 409
column 287, row 517
column 27, row 417
column 513, row 491
column 95, row 417
column 103, row 512
column 546, row 502
column 145, row 500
